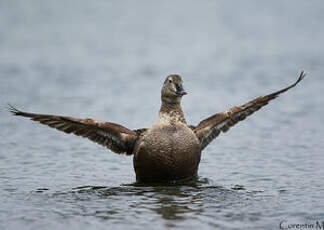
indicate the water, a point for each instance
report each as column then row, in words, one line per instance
column 107, row 60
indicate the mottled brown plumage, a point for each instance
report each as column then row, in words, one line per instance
column 168, row 151
column 210, row 128
column 113, row 136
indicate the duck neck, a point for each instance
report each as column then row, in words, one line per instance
column 171, row 112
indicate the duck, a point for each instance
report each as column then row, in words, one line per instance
column 168, row 151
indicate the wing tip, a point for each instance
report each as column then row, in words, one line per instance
column 300, row 78
column 302, row 75
column 13, row 110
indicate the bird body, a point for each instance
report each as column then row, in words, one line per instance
column 168, row 151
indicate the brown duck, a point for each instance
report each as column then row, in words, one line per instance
column 168, row 151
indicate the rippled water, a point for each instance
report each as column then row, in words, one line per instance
column 107, row 60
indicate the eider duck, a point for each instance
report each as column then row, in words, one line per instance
column 168, row 151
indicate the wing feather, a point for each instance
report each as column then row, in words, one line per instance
column 113, row 136
column 208, row 129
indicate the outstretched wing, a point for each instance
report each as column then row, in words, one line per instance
column 113, row 136
column 208, row 129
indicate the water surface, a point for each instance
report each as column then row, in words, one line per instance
column 107, row 60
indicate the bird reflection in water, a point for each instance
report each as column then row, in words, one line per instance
column 169, row 201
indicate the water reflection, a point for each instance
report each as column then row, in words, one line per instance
column 166, row 201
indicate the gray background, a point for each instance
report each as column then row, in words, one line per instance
column 108, row 59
